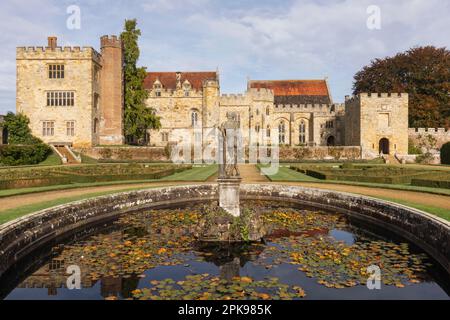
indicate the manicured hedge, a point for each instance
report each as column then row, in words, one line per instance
column 369, row 174
column 16, row 155
column 431, row 183
column 87, row 174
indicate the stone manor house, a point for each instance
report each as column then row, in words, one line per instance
column 75, row 97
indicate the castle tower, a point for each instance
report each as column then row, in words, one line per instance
column 112, row 92
column 378, row 122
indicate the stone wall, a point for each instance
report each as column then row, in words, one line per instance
column 442, row 135
column 319, row 153
column 33, row 83
column 152, row 154
column 20, row 237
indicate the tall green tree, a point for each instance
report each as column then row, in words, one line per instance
column 18, row 130
column 138, row 118
column 422, row 72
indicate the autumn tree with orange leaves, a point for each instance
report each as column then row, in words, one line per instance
column 422, row 72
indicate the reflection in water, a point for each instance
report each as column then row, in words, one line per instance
column 306, row 254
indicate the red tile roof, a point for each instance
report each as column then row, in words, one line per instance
column 169, row 80
column 293, row 87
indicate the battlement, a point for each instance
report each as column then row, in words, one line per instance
column 171, row 93
column 375, row 95
column 57, row 53
column 110, row 41
column 327, row 108
column 432, row 131
column 235, row 99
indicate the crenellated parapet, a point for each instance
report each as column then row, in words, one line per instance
column 57, row 53
column 335, row 109
column 110, row 41
column 375, row 95
column 171, row 93
column 436, row 132
column 247, row 98
column 235, row 99
column 441, row 135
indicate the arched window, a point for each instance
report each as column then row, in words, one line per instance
column 194, row 118
column 267, row 111
column 282, row 132
column 268, row 132
column 302, row 132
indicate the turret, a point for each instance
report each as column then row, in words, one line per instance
column 112, row 91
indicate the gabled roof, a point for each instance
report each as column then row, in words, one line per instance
column 169, row 79
column 296, row 91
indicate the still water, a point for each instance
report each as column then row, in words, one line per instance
column 152, row 254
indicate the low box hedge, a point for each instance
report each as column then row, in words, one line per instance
column 431, row 183
column 378, row 175
column 69, row 176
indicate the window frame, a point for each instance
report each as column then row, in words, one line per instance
column 56, row 71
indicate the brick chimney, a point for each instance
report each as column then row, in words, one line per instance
column 52, row 42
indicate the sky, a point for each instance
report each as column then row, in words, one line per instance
column 256, row 39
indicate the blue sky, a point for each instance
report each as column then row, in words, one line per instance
column 260, row 39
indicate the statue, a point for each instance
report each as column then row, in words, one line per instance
column 228, row 167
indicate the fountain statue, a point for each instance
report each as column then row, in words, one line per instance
column 228, row 221
column 229, row 178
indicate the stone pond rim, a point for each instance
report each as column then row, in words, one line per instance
column 20, row 237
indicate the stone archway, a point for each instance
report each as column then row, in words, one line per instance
column 383, row 146
column 331, row 141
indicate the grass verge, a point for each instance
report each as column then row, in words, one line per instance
column 285, row 174
column 196, row 174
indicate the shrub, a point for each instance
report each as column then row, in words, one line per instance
column 412, row 148
column 445, row 153
column 347, row 165
column 425, row 158
column 18, row 130
column 431, row 183
column 15, row 155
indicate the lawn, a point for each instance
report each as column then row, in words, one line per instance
column 197, row 173
column 285, row 174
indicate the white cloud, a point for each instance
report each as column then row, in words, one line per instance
column 260, row 38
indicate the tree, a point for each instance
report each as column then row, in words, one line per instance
column 18, row 130
column 23, row 147
column 445, row 153
column 422, row 72
column 138, row 118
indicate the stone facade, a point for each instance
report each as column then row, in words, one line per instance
column 59, row 89
column 442, row 136
column 378, row 123
column 289, row 112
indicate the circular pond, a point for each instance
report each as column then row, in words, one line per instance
column 152, row 254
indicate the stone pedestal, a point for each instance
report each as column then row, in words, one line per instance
column 229, row 195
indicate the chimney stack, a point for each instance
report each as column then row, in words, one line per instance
column 52, row 42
